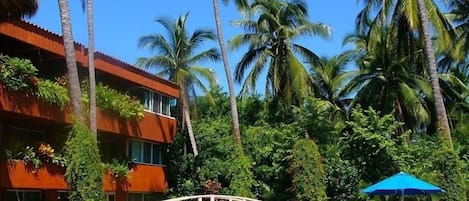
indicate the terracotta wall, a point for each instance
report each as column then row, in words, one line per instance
column 15, row 174
column 153, row 127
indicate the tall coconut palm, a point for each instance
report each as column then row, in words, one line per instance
column 14, row 9
column 460, row 12
column 403, row 15
column 270, row 37
column 440, row 108
column 91, row 68
column 72, row 72
column 386, row 82
column 330, row 78
column 241, row 4
column 178, row 59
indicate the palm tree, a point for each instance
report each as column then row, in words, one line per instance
column 460, row 12
column 14, row 9
column 402, row 15
column 178, row 59
column 387, row 81
column 330, row 78
column 440, row 108
column 72, row 72
column 242, row 4
column 270, row 37
column 91, row 68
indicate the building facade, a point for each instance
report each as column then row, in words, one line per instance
column 25, row 121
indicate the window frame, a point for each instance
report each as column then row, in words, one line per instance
column 142, row 152
column 151, row 102
column 23, row 191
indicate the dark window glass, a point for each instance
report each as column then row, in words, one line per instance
column 147, row 152
column 156, row 154
column 23, row 196
column 135, row 151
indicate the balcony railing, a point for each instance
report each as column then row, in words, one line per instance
column 152, row 126
column 16, row 174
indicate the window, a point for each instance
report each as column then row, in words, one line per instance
column 110, row 197
column 153, row 101
column 145, row 152
column 18, row 195
column 63, row 196
column 144, row 197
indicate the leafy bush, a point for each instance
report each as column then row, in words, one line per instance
column 53, row 93
column 371, row 145
column 308, row 172
column 17, row 74
column 342, row 180
column 242, row 178
column 84, row 173
column 449, row 168
column 112, row 100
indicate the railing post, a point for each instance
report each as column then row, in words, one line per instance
column 199, row 199
column 212, row 198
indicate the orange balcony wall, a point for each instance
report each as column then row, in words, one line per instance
column 153, row 127
column 143, row 178
column 17, row 175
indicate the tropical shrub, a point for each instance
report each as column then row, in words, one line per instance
column 269, row 147
column 342, row 180
column 307, row 171
column 84, row 173
column 371, row 144
column 448, row 166
column 53, row 93
column 17, row 74
column 240, row 171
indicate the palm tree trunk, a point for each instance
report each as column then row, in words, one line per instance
column 187, row 118
column 72, row 72
column 91, row 69
column 443, row 125
column 234, row 108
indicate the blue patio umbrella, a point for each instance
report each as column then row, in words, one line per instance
column 402, row 184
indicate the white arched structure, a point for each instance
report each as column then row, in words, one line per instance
column 211, row 198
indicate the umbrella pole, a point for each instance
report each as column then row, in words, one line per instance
column 402, row 196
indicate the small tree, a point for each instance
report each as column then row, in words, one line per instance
column 308, row 172
column 84, row 173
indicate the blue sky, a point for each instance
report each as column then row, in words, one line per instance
column 119, row 24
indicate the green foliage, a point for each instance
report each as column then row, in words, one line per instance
column 342, row 180
column 242, row 178
column 321, row 120
column 52, row 92
column 31, row 157
column 371, row 144
column 112, row 100
column 84, row 171
column 17, row 74
column 308, row 172
column 118, row 169
column 269, row 147
column 449, row 169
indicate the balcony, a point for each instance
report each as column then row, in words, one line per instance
column 143, row 178
column 152, row 126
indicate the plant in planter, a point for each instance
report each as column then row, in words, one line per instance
column 17, row 74
column 118, row 170
column 53, row 93
column 112, row 100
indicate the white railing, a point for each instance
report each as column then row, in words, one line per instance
column 211, row 198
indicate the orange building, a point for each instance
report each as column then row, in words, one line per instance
column 26, row 121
